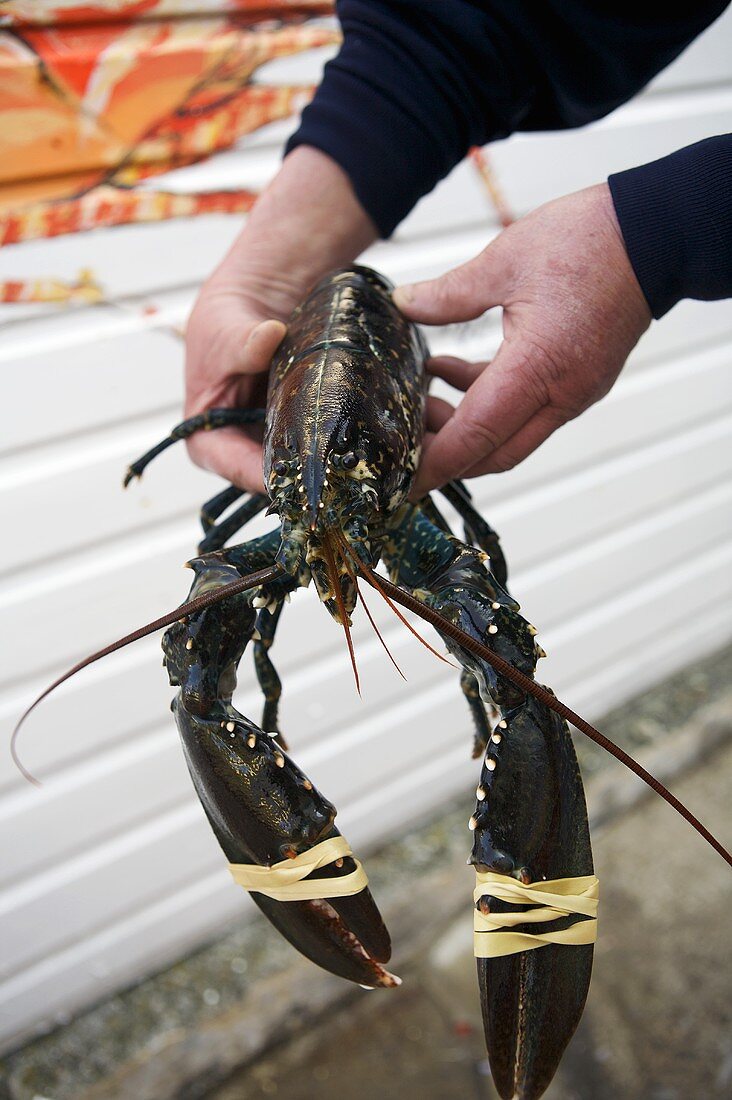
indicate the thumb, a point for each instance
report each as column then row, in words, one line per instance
column 461, row 294
column 260, row 346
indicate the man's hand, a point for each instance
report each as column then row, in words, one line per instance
column 230, row 340
column 572, row 313
column 307, row 222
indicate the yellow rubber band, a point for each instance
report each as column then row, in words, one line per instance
column 285, row 881
column 557, row 897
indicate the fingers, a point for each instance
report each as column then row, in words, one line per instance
column 438, row 413
column 496, row 406
column 521, row 444
column 461, row 294
column 456, row 372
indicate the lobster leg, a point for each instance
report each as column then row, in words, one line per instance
column 213, row 508
column 261, row 806
column 530, row 821
column 457, row 494
column 207, row 421
column 219, row 534
column 471, row 691
column 269, row 681
column 477, row 531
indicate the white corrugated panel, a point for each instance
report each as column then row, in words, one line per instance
column 619, row 533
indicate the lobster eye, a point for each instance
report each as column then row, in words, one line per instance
column 346, row 437
column 280, row 467
column 350, row 460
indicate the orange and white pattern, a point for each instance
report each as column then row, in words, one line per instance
column 95, row 97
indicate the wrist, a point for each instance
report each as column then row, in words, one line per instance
column 305, row 223
column 634, row 298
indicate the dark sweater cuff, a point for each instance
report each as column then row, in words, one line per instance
column 676, row 218
column 396, row 108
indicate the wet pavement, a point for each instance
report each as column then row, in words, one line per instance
column 658, row 1023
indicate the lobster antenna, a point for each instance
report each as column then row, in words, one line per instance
column 361, row 597
column 374, row 581
column 527, row 684
column 388, row 652
column 379, row 584
column 252, row 580
column 334, row 579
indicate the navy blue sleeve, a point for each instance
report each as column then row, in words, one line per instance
column 676, row 218
column 417, row 82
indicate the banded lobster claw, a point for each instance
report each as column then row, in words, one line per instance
column 261, row 806
column 530, row 821
column 263, row 809
column 534, row 827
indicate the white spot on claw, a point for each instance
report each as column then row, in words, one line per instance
column 490, row 764
column 493, row 629
column 480, row 794
column 231, row 726
column 503, row 724
column 496, row 606
column 472, row 824
column 496, row 738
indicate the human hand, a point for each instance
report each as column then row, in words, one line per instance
column 572, row 313
column 305, row 223
column 231, row 337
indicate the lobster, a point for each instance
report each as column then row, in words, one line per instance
column 343, row 431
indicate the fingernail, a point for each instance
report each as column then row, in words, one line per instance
column 263, row 324
column 403, row 295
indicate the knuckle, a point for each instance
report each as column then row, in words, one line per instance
column 452, row 284
column 503, row 461
column 557, row 379
column 479, row 435
column 545, row 366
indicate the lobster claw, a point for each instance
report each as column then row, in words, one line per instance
column 263, row 809
column 531, row 1004
column 345, row 936
column 534, row 828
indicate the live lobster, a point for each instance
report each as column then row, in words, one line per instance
column 343, row 432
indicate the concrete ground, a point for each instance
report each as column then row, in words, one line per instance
column 658, row 1023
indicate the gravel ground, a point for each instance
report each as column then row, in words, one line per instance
column 179, row 1033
